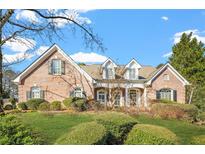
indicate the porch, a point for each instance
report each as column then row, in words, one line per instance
column 121, row 95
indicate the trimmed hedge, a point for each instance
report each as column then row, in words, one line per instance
column 175, row 110
column 22, row 106
column 90, row 133
column 117, row 124
column 45, row 106
column 68, row 102
column 150, row 134
column 13, row 132
column 8, row 107
column 33, row 104
column 55, row 106
column 79, row 104
column 199, row 140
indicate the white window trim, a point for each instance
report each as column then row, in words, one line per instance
column 105, row 93
column 130, row 74
column 81, row 92
column 35, row 91
column 120, row 98
column 60, row 67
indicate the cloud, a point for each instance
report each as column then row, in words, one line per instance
column 167, row 54
column 9, row 58
column 20, row 44
column 88, row 57
column 196, row 34
column 27, row 15
column 164, row 18
column 41, row 50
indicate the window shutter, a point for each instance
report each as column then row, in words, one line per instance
column 62, row 67
column 42, row 94
column 72, row 93
column 28, row 95
column 175, row 95
column 157, row 94
column 50, row 70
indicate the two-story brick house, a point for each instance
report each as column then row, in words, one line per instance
column 55, row 76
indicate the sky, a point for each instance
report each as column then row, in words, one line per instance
column 146, row 35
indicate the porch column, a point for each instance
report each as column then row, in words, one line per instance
column 145, row 97
column 126, row 96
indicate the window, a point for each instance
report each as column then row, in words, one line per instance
column 35, row 92
column 56, row 66
column 78, row 92
column 101, row 96
column 166, row 77
column 110, row 74
column 132, row 73
column 117, row 97
column 167, row 94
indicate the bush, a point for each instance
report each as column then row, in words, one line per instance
column 150, row 134
column 200, row 140
column 202, row 116
column 22, row 106
column 175, row 110
column 117, row 124
column 13, row 132
column 94, row 105
column 8, row 107
column 68, row 102
column 13, row 102
column 89, row 133
column 79, row 104
column 45, row 106
column 55, row 106
column 33, row 104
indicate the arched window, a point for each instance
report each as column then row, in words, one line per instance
column 167, row 94
column 101, row 96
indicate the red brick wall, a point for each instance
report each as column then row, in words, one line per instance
column 56, row 87
column 173, row 83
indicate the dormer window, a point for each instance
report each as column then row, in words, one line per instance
column 110, row 73
column 132, row 73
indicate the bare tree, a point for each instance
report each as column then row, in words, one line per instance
column 12, row 29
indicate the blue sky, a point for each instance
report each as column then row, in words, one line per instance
column 146, row 35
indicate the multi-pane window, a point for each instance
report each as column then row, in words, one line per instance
column 35, row 92
column 117, row 97
column 110, row 73
column 78, row 92
column 167, row 94
column 132, row 73
column 101, row 97
column 56, row 66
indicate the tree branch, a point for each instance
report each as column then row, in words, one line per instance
column 6, row 17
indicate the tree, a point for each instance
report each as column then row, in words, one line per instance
column 160, row 65
column 188, row 58
column 22, row 31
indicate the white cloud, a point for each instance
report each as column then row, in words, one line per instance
column 196, row 34
column 9, row 58
column 167, row 54
column 41, row 50
column 20, row 44
column 28, row 15
column 88, row 57
column 164, row 18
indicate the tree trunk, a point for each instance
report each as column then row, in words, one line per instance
column 1, row 73
column 191, row 95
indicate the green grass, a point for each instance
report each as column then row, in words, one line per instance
column 184, row 130
column 54, row 126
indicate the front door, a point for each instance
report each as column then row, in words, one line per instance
column 117, row 97
column 134, row 97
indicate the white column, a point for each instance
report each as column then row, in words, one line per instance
column 145, row 97
column 126, row 96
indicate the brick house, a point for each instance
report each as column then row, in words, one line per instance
column 55, row 76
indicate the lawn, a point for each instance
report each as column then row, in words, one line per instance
column 53, row 126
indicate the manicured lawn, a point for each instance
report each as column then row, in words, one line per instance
column 53, row 126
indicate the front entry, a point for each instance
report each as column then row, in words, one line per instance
column 134, row 97
column 117, row 98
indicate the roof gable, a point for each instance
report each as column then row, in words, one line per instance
column 131, row 62
column 107, row 61
column 173, row 70
column 46, row 54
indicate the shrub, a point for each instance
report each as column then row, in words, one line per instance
column 45, row 106
column 94, row 105
column 68, row 102
column 117, row 124
column 13, row 132
column 55, row 106
column 79, row 104
column 8, row 107
column 202, row 116
column 33, row 104
column 198, row 140
column 175, row 110
column 22, row 106
column 13, row 102
column 89, row 133
column 150, row 134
